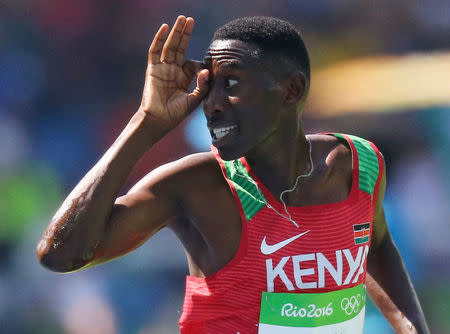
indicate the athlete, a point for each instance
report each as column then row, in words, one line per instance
column 283, row 232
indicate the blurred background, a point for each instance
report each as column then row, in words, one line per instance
column 71, row 76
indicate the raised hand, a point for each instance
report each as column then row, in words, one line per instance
column 165, row 98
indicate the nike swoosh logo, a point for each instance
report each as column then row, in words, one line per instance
column 269, row 249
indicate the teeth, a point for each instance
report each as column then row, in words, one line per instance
column 221, row 132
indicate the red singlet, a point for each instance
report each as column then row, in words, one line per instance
column 327, row 252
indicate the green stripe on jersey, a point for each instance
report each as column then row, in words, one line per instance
column 367, row 161
column 251, row 199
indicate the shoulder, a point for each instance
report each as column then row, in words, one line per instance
column 193, row 163
column 199, row 168
column 331, row 149
column 194, row 171
column 343, row 152
column 362, row 155
column 338, row 146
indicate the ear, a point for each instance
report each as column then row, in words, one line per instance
column 295, row 87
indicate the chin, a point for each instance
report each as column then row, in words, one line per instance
column 229, row 153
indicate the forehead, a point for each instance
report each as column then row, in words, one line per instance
column 239, row 53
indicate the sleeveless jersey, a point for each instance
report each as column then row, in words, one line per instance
column 288, row 279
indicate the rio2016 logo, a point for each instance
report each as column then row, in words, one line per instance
column 352, row 304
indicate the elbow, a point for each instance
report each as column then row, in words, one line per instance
column 55, row 261
column 54, row 265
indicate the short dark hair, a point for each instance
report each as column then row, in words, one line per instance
column 272, row 35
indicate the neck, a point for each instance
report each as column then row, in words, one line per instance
column 281, row 157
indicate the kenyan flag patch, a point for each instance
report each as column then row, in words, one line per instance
column 361, row 232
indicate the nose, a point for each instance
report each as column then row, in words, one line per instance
column 215, row 102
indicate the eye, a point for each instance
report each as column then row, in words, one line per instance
column 230, row 83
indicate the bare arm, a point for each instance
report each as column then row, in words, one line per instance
column 92, row 226
column 388, row 282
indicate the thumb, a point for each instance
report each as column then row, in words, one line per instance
column 200, row 92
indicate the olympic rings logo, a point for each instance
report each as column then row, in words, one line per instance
column 351, row 305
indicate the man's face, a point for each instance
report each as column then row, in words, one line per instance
column 244, row 100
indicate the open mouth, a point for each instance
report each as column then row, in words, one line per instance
column 220, row 132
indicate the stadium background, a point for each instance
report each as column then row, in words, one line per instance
column 71, row 75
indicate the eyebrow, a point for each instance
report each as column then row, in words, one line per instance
column 207, row 60
column 231, row 64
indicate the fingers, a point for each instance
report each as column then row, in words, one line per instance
column 171, row 46
column 179, row 35
column 174, row 48
column 184, row 42
column 154, row 53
